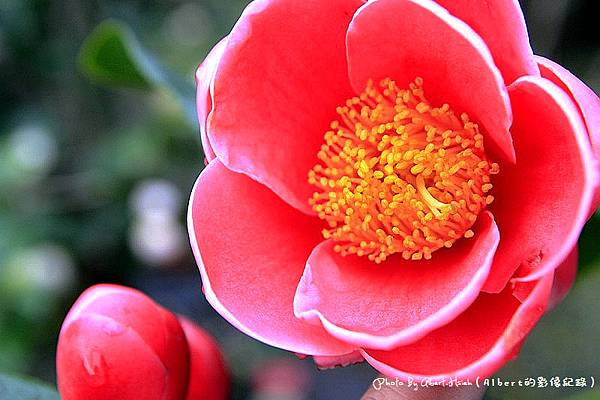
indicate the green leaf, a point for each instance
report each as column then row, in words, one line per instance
column 106, row 56
column 112, row 55
column 12, row 388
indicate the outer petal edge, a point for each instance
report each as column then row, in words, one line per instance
column 591, row 173
column 501, row 352
column 409, row 335
column 214, row 301
column 494, row 21
column 502, row 142
column 205, row 75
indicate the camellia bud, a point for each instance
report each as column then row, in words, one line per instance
column 116, row 343
column 209, row 379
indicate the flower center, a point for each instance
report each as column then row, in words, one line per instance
column 397, row 175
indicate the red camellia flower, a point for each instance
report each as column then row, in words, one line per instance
column 116, row 343
column 396, row 180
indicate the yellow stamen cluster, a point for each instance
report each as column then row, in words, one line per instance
column 397, row 175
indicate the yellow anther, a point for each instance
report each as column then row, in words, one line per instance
column 398, row 175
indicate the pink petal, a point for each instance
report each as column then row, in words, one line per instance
column 542, row 201
column 501, row 25
column 405, row 39
column 398, row 302
column 475, row 344
column 586, row 100
column 276, row 89
column 251, row 248
column 204, row 102
column 564, row 278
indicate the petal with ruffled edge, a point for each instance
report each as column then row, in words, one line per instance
column 501, row 25
column 542, row 201
column 328, row 362
column 204, row 103
column 397, row 302
column 587, row 101
column 276, row 89
column 476, row 344
column 251, row 248
column 405, row 39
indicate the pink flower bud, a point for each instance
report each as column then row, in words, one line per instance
column 209, row 378
column 116, row 343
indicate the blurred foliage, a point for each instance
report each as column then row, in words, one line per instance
column 108, row 56
column 12, row 388
column 72, row 152
column 563, row 344
column 113, row 56
column 98, row 145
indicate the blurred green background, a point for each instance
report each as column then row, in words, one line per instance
column 98, row 152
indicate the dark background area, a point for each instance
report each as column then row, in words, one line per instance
column 94, row 181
